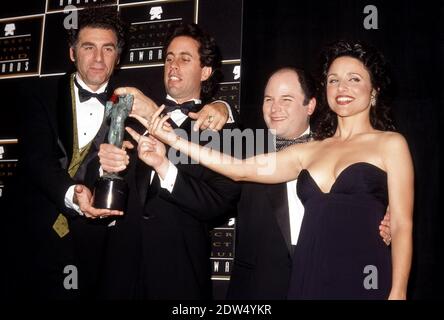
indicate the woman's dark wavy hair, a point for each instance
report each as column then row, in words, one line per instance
column 208, row 51
column 376, row 65
column 99, row 17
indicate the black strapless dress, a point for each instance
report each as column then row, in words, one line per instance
column 340, row 254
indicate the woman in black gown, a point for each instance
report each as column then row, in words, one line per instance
column 338, row 255
column 347, row 176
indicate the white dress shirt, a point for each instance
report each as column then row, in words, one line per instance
column 178, row 118
column 89, row 120
column 295, row 207
column 89, row 114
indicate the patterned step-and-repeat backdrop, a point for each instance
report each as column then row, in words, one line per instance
column 33, row 48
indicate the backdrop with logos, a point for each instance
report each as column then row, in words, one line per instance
column 33, row 47
column 409, row 33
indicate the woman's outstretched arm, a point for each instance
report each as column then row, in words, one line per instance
column 266, row 168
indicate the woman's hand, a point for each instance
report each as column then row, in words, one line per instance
column 150, row 150
column 159, row 127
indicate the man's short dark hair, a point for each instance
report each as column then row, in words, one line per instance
column 99, row 17
column 208, row 51
column 307, row 82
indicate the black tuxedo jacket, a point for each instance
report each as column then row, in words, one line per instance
column 160, row 248
column 262, row 262
column 46, row 141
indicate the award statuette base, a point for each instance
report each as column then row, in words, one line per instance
column 110, row 192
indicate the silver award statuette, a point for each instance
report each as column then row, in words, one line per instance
column 111, row 190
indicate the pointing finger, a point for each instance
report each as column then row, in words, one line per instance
column 158, row 111
column 133, row 133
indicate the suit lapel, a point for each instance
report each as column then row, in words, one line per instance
column 100, row 137
column 92, row 152
column 142, row 178
column 279, row 202
column 65, row 116
column 143, row 172
column 186, row 125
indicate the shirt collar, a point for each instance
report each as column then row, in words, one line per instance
column 197, row 101
column 84, row 86
column 307, row 131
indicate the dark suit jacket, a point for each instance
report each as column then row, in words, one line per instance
column 262, row 262
column 47, row 143
column 160, row 248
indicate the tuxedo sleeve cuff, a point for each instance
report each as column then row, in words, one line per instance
column 69, row 196
column 230, row 114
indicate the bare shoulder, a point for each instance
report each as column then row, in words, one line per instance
column 300, row 151
column 395, row 149
column 391, row 140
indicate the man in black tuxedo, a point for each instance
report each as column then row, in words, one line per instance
column 269, row 216
column 160, row 248
column 60, row 137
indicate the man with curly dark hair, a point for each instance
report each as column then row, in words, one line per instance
column 209, row 55
column 60, row 138
column 99, row 18
column 160, row 249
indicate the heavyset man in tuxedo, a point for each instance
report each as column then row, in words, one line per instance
column 160, row 248
column 270, row 216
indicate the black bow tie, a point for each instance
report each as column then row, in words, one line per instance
column 282, row 143
column 85, row 95
column 186, row 107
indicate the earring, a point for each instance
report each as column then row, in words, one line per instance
column 372, row 100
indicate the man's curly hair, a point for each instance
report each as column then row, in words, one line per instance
column 99, row 17
column 377, row 67
column 208, row 51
